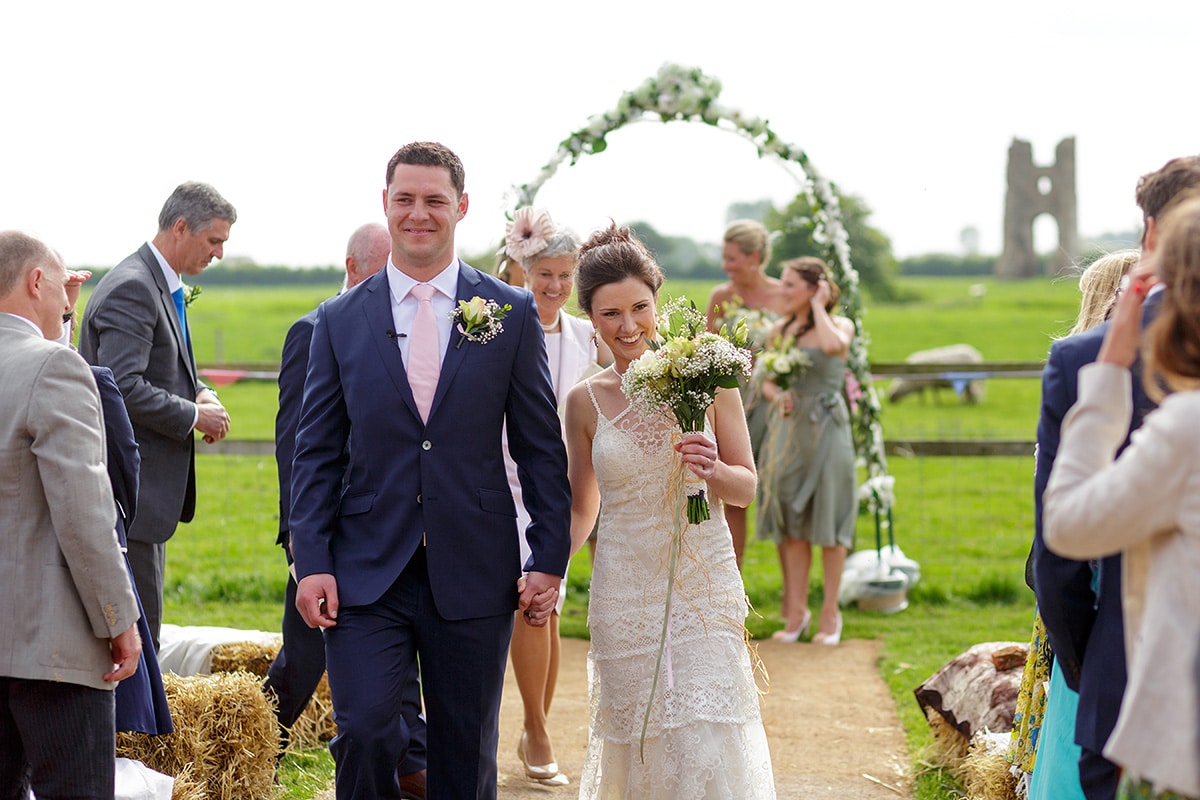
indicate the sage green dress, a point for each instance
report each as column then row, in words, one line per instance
column 807, row 483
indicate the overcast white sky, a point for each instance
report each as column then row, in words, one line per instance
column 292, row 110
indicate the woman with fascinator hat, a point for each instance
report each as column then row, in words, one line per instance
column 546, row 254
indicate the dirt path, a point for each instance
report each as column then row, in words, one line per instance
column 829, row 719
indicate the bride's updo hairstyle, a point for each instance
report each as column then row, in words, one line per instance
column 610, row 256
column 1173, row 357
column 813, row 270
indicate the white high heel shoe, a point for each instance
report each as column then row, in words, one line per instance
column 830, row 638
column 546, row 775
column 794, row 636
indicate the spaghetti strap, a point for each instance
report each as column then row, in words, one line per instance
column 591, row 394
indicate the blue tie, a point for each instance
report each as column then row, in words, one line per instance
column 179, row 309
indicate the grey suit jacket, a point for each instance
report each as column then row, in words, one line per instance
column 130, row 326
column 63, row 581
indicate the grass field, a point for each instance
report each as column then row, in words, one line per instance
column 967, row 521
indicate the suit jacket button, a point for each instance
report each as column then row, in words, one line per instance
column 426, row 445
column 418, row 499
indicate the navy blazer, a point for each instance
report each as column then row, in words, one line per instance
column 360, row 514
column 291, row 393
column 124, row 461
column 141, row 701
column 1085, row 627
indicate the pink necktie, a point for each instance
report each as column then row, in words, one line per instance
column 423, row 361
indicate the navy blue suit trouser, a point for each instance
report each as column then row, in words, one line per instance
column 372, row 653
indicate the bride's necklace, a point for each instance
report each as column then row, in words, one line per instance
column 618, row 372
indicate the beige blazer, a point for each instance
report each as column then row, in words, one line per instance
column 64, row 589
column 1146, row 505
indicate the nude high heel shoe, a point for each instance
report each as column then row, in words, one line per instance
column 830, row 638
column 794, row 636
column 546, row 775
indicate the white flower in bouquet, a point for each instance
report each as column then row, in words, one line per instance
column 783, row 363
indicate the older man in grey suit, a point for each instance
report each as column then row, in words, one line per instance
column 69, row 630
column 136, row 325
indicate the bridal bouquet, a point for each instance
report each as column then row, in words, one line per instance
column 782, row 363
column 682, row 371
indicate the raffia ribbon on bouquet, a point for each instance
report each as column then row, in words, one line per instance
column 678, row 499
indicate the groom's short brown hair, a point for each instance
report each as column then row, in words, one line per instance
column 429, row 154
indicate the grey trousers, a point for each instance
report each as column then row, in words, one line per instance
column 148, row 560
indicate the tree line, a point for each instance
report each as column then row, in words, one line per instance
column 683, row 257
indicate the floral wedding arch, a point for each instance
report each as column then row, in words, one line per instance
column 687, row 94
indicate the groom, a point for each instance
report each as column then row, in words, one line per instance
column 405, row 541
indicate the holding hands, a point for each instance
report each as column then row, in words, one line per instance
column 539, row 594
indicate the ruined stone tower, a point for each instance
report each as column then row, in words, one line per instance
column 1034, row 190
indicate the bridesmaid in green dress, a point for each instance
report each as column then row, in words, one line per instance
column 807, row 480
column 752, row 295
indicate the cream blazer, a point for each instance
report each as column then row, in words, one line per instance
column 64, row 589
column 1146, row 504
column 577, row 360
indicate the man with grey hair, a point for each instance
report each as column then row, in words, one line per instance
column 69, row 630
column 136, row 325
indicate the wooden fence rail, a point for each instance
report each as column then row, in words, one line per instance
column 900, row 448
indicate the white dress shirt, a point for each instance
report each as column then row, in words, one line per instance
column 171, row 276
column 404, row 305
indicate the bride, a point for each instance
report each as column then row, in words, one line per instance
column 698, row 732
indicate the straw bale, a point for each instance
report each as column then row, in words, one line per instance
column 985, row 772
column 226, row 733
column 315, row 726
column 949, row 746
column 187, row 787
column 251, row 657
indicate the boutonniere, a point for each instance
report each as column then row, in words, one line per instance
column 190, row 293
column 478, row 319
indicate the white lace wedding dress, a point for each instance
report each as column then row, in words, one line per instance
column 705, row 737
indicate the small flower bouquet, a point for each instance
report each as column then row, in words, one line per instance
column 478, row 320
column 682, row 371
column 758, row 321
column 190, row 293
column 782, row 363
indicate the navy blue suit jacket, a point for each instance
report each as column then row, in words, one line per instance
column 361, row 513
column 1086, row 628
column 141, row 702
column 292, row 369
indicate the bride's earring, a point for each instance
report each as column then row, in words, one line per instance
column 595, row 333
